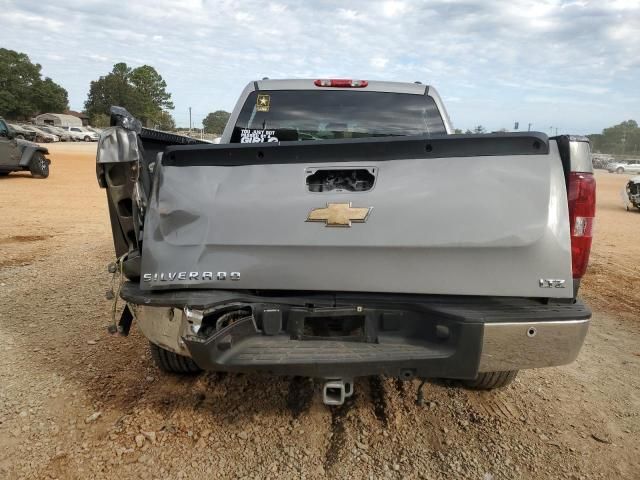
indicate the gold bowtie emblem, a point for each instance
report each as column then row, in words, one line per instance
column 339, row 214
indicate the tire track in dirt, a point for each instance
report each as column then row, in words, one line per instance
column 337, row 435
column 378, row 399
column 300, row 395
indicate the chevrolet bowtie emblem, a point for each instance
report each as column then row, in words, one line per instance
column 339, row 214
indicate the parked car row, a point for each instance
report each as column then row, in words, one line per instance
column 52, row 133
column 601, row 160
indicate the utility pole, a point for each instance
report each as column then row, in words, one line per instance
column 189, row 119
column 529, row 128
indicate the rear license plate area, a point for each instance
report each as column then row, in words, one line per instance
column 349, row 328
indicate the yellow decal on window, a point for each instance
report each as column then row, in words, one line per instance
column 263, row 103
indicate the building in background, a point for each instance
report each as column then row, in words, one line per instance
column 80, row 115
column 58, row 120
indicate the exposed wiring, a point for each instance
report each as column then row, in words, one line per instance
column 116, row 270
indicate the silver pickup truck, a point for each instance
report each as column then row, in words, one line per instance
column 341, row 230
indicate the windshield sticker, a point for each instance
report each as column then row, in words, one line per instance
column 250, row 135
column 263, row 103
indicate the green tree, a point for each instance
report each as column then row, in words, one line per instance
column 215, row 121
column 50, row 97
column 479, row 129
column 165, row 122
column 100, row 120
column 142, row 91
column 621, row 139
column 457, row 131
column 152, row 88
column 23, row 92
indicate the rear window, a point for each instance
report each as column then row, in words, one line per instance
column 286, row 115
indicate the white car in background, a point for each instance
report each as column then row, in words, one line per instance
column 618, row 167
column 82, row 134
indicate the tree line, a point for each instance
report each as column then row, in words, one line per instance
column 23, row 90
column 143, row 92
column 24, row 93
column 622, row 139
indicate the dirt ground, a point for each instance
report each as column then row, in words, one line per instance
column 76, row 403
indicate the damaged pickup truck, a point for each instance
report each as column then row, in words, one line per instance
column 340, row 230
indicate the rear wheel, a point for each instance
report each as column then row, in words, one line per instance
column 170, row 362
column 39, row 166
column 87, row 138
column 619, row 170
column 491, row 380
column 20, row 136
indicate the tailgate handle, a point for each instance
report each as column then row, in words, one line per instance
column 331, row 179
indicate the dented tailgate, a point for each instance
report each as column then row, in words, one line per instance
column 456, row 215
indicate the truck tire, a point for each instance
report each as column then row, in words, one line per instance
column 87, row 138
column 491, row 380
column 619, row 170
column 39, row 166
column 172, row 362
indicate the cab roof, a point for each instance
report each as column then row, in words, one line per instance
column 373, row 86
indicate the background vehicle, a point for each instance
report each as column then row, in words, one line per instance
column 633, row 192
column 340, row 243
column 22, row 133
column 17, row 154
column 41, row 135
column 75, row 136
column 601, row 160
column 61, row 134
column 82, row 133
column 98, row 131
column 621, row 167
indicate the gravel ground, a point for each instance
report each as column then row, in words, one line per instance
column 76, row 403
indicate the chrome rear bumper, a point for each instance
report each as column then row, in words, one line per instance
column 517, row 346
column 455, row 340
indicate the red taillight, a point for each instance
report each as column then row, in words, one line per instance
column 341, row 83
column 582, row 211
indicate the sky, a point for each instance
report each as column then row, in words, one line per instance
column 570, row 65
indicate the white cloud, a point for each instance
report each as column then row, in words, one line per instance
column 394, row 8
column 379, row 62
column 488, row 58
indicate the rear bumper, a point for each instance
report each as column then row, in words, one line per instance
column 400, row 335
column 521, row 345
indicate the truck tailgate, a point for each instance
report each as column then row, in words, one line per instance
column 464, row 216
